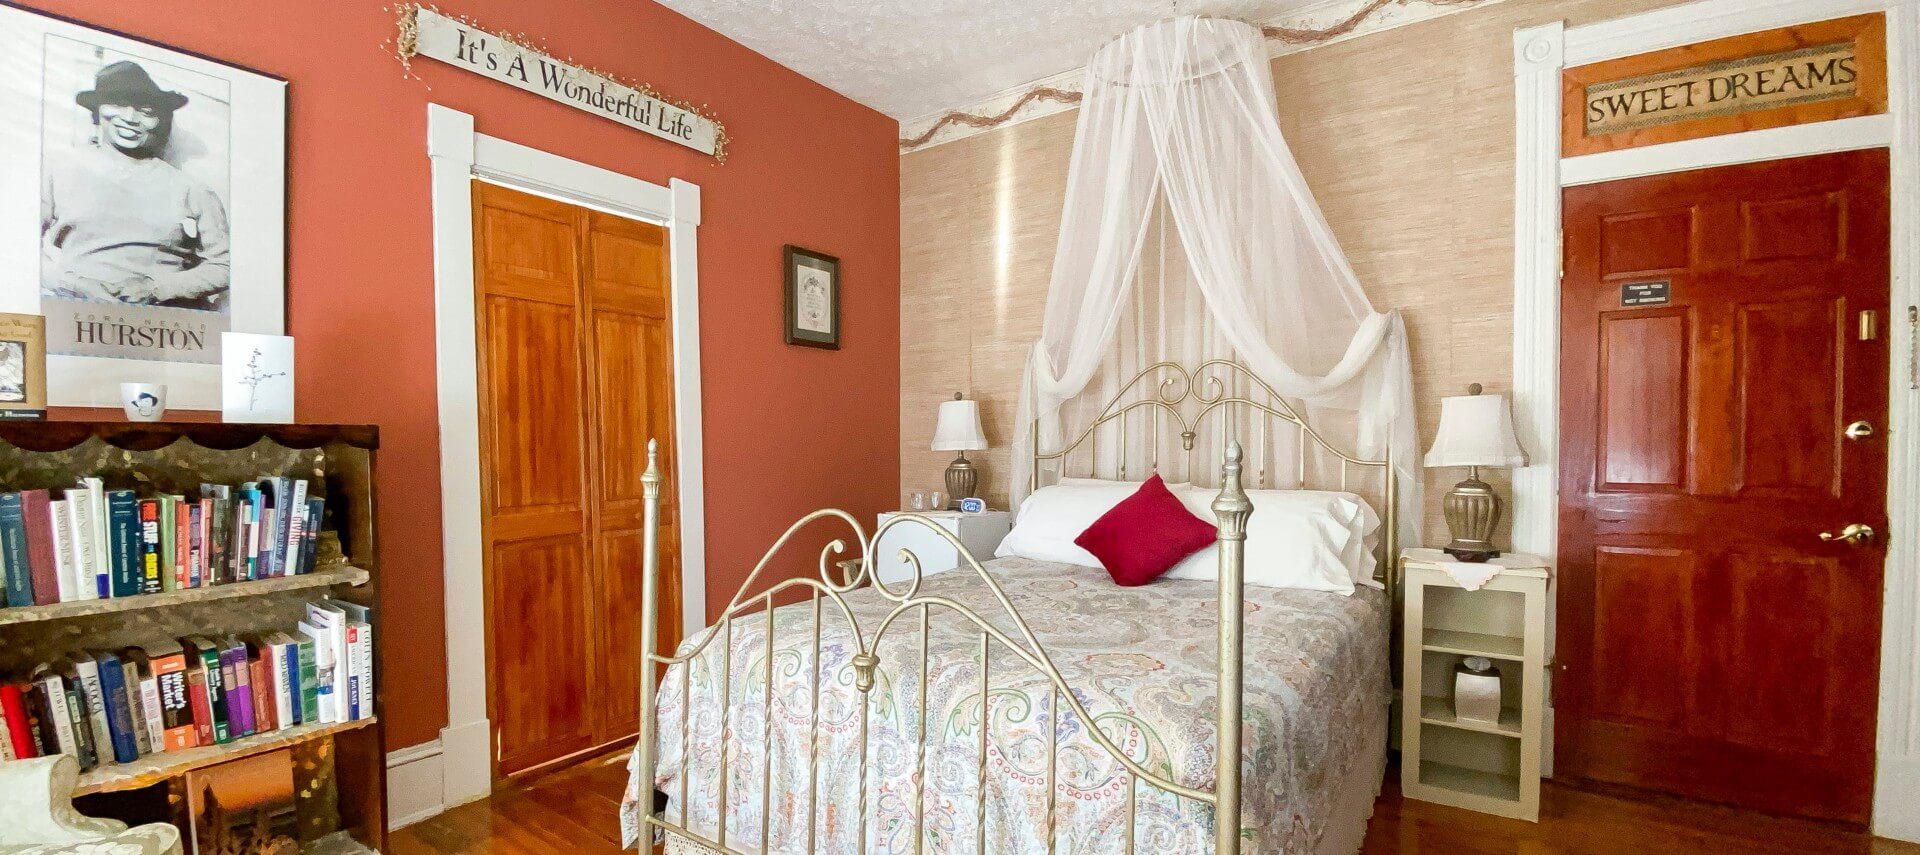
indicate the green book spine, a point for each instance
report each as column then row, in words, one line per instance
column 123, row 530
column 216, row 692
column 309, row 681
column 13, row 551
column 168, row 582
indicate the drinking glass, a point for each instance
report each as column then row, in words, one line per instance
column 919, row 501
column 933, row 501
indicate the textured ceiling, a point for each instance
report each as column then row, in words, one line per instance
column 908, row 58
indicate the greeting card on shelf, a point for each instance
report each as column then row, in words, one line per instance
column 256, row 378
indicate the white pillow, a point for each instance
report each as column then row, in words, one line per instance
column 1309, row 539
column 1053, row 516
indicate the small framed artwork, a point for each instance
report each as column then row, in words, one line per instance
column 23, row 367
column 244, row 807
column 256, row 378
column 813, row 298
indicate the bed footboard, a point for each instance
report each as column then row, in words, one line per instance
column 1008, row 635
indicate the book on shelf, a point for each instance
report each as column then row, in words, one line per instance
column 79, row 507
column 91, row 542
column 150, row 547
column 108, row 707
column 13, row 551
column 177, row 729
column 236, row 680
column 36, row 512
column 13, row 709
column 140, row 673
column 90, row 712
column 114, row 699
column 124, row 543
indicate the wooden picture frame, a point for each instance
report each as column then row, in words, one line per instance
column 812, row 298
column 1676, row 83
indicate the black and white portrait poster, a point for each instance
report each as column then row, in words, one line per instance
column 143, row 208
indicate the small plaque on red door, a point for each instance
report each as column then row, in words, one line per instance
column 1646, row 293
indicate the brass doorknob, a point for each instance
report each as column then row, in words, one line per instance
column 1859, row 430
column 1854, row 533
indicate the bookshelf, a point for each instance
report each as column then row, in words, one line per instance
column 1489, row 766
column 340, row 770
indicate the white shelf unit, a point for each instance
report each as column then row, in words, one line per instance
column 1491, row 767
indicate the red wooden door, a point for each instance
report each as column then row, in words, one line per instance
column 1711, row 644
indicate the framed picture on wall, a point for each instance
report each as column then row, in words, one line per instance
column 813, row 298
column 142, row 209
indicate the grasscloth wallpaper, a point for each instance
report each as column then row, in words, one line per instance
column 1406, row 137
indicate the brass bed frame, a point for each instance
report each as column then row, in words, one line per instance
column 1209, row 387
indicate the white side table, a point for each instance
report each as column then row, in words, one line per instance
column 981, row 533
column 1491, row 767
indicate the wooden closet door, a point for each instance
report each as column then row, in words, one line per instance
column 576, row 354
column 631, row 343
column 536, row 520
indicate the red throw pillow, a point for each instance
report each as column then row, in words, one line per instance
column 1145, row 535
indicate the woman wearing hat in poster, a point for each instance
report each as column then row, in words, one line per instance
column 118, row 224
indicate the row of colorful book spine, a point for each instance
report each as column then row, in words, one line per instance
column 90, row 542
column 117, row 706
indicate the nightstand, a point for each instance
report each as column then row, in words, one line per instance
column 981, row 533
column 1487, row 766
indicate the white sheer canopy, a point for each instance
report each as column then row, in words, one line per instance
column 1189, row 234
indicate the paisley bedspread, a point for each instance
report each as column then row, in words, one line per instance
column 1141, row 660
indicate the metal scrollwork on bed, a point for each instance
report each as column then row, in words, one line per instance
column 911, row 607
column 1210, row 387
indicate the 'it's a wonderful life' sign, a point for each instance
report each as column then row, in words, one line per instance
column 1794, row 75
column 429, row 33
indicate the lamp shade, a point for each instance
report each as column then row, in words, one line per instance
column 958, row 428
column 1476, row 430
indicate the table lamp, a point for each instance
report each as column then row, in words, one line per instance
column 1475, row 430
column 958, row 429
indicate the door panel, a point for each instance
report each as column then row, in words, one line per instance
column 1643, row 410
column 1652, row 587
column 538, row 587
column 1639, row 243
column 1783, row 650
column 1710, row 643
column 576, row 350
column 532, row 370
column 1790, row 373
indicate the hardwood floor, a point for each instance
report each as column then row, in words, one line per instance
column 575, row 811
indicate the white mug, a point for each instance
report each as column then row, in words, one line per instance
column 144, row 402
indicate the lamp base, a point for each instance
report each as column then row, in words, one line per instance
column 962, row 481
column 1472, row 511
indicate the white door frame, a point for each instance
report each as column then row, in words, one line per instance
column 1540, row 54
column 459, row 157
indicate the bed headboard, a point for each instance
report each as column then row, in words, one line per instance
column 1166, row 409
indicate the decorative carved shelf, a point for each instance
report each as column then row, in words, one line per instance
column 149, row 436
column 325, row 577
column 154, row 768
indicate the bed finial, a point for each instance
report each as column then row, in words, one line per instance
column 649, row 617
column 1232, row 505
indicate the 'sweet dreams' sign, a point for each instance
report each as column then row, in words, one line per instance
column 1807, row 75
column 459, row 44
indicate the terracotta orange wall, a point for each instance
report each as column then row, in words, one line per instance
column 787, row 428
